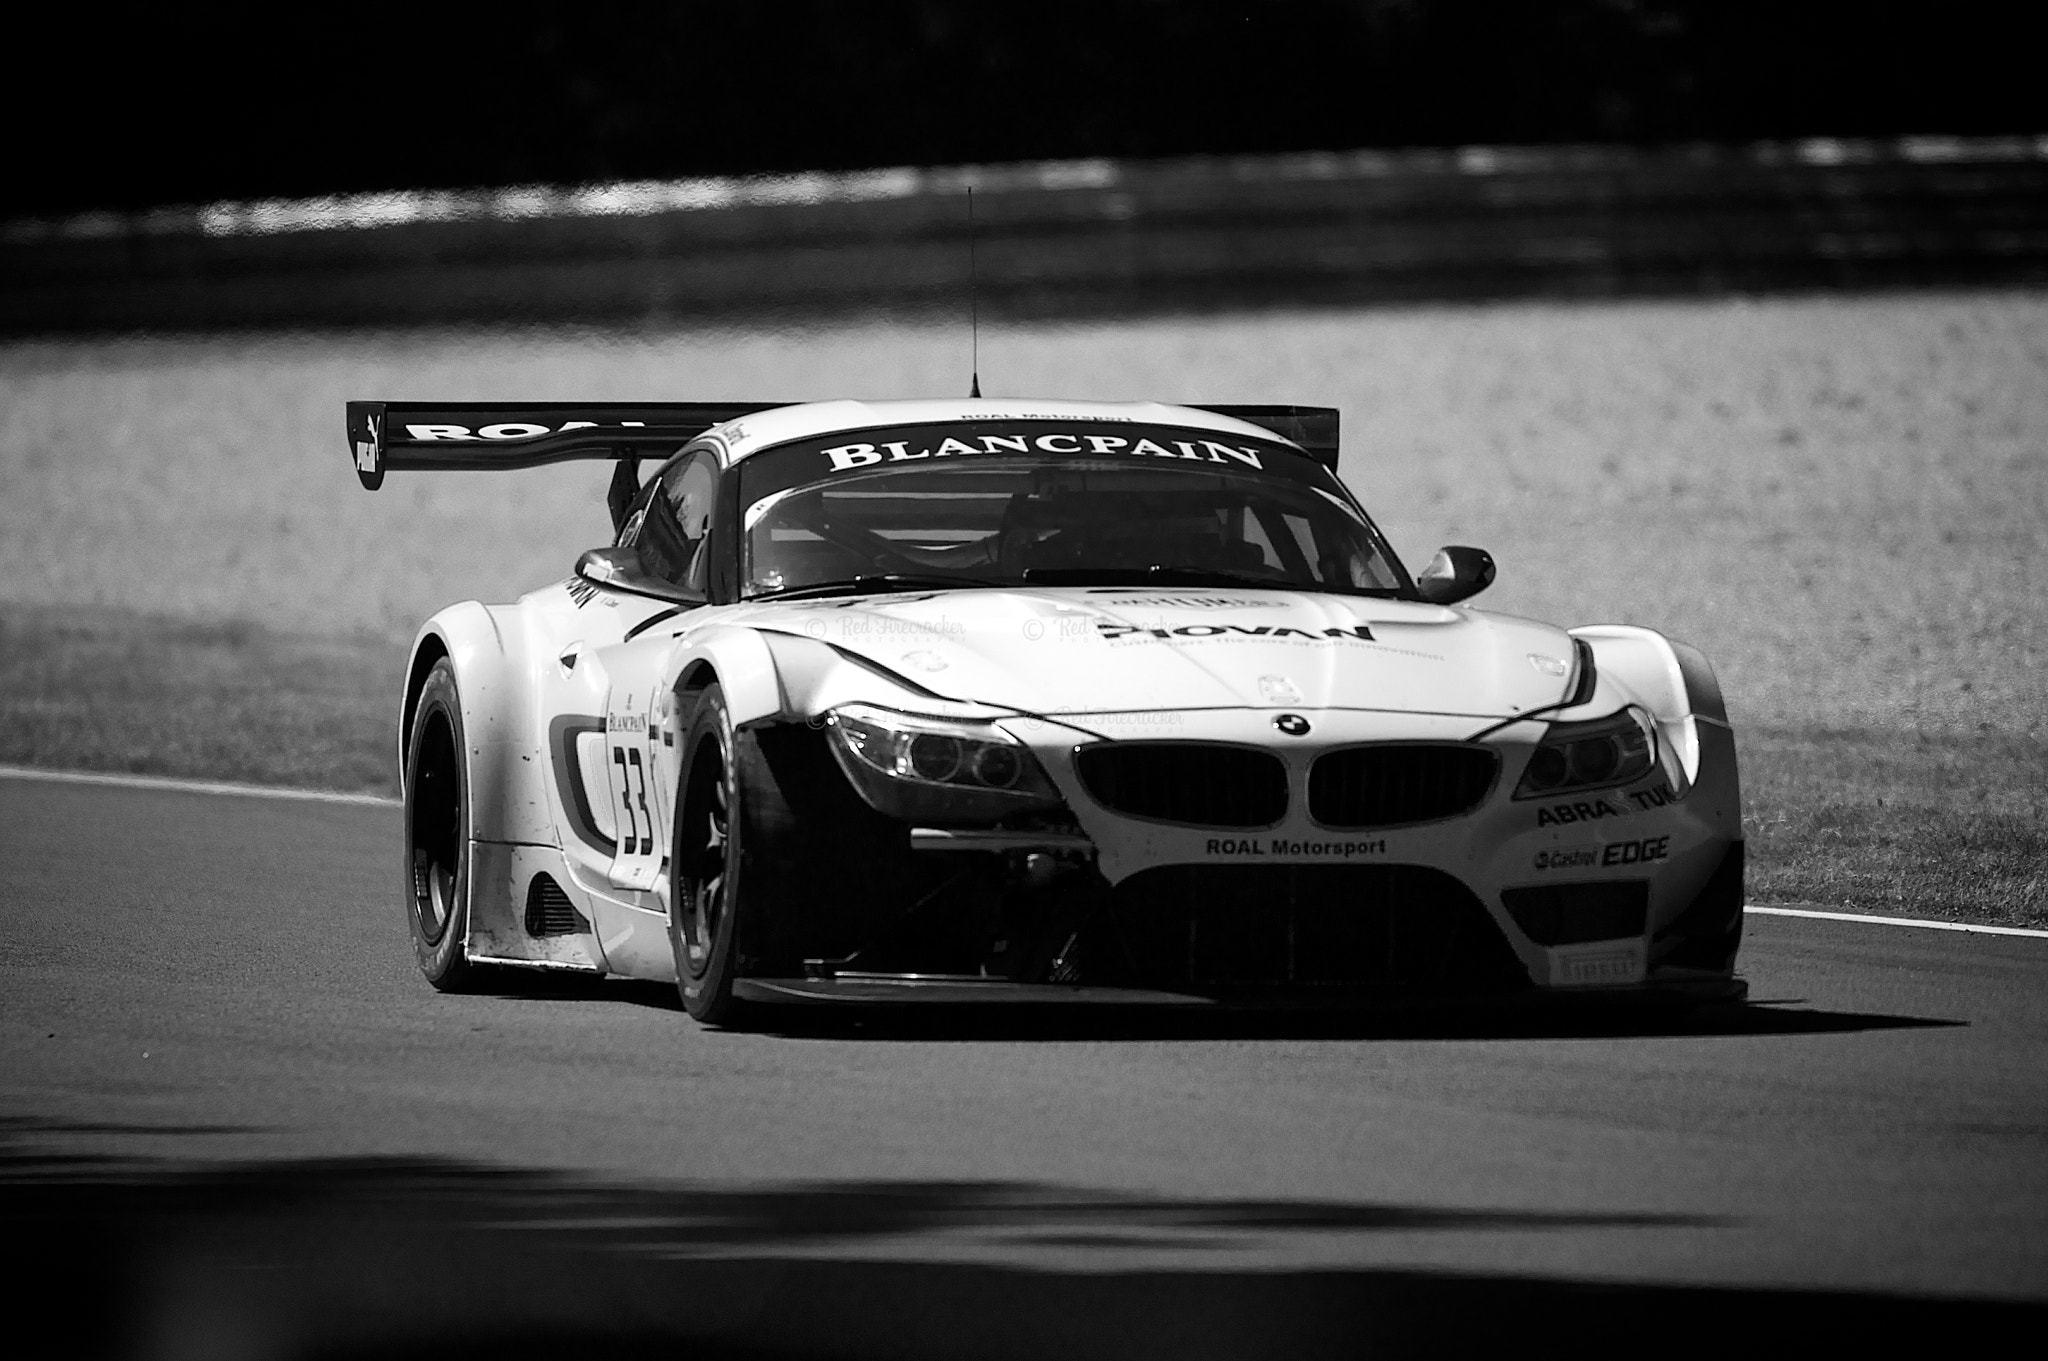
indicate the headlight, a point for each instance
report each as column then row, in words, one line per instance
column 936, row 770
column 1575, row 756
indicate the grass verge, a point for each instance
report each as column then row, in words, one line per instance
column 1901, row 821
column 104, row 689
column 1908, row 822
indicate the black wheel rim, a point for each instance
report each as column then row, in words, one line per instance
column 704, row 888
column 437, row 828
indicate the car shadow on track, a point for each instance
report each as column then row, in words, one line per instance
column 1390, row 1025
column 1544, row 1019
column 344, row 1258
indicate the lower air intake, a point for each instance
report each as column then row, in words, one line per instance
column 549, row 911
column 1391, row 926
column 1572, row 914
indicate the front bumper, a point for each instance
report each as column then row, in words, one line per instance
column 1634, row 893
column 1620, row 888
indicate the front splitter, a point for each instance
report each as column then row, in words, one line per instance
column 944, row 989
column 929, row 989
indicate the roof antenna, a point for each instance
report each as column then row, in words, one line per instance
column 973, row 307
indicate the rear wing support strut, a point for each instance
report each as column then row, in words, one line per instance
column 1314, row 428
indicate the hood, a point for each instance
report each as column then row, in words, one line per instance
column 1077, row 650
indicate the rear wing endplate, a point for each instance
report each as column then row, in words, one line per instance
column 1314, row 428
column 443, row 437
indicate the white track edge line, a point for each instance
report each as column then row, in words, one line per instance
column 1900, row 921
column 381, row 801
column 165, row 782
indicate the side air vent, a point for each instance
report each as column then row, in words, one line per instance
column 1200, row 784
column 549, row 911
column 1393, row 783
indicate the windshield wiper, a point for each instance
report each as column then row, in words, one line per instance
column 878, row 582
column 1159, row 574
column 1167, row 574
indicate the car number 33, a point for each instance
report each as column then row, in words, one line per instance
column 638, row 861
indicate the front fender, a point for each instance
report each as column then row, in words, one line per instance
column 1672, row 680
column 744, row 667
column 767, row 676
column 1677, row 685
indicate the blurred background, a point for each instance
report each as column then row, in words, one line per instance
column 213, row 164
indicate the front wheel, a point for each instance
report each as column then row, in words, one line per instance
column 774, row 858
column 437, row 835
column 708, row 865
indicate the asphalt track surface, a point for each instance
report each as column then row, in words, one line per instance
column 234, row 1122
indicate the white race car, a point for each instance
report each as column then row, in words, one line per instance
column 1008, row 700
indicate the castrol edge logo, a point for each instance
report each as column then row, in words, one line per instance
column 503, row 430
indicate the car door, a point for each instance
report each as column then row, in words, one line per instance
column 671, row 534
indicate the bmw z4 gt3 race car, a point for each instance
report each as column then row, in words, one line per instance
column 1007, row 700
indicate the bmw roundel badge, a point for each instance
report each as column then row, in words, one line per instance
column 1294, row 725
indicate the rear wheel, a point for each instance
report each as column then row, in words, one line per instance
column 437, row 835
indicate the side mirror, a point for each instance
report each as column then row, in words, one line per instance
column 1455, row 573
column 619, row 569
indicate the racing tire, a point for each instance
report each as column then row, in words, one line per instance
column 735, row 842
column 437, row 835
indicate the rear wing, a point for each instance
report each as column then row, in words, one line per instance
column 1314, row 428
column 447, row 437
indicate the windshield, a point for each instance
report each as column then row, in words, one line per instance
column 1070, row 508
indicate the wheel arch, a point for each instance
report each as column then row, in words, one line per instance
column 1676, row 683
column 495, row 682
column 1673, row 680
column 696, row 677
column 739, row 660
column 427, row 649
column 770, row 675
